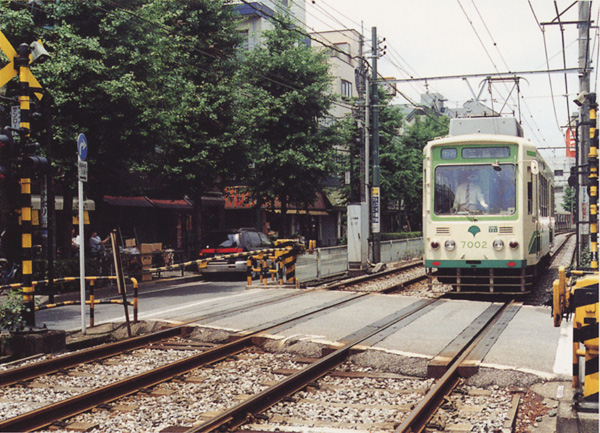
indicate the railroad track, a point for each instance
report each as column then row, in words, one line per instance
column 388, row 281
column 237, row 415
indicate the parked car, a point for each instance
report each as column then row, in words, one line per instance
column 232, row 241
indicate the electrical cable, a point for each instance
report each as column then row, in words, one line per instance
column 547, row 64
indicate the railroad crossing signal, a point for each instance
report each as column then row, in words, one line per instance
column 19, row 64
column 9, row 71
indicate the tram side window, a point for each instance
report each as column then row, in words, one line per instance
column 530, row 195
column 544, row 196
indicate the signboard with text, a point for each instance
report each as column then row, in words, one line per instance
column 375, row 210
column 571, row 144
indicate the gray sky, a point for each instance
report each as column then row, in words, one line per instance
column 430, row 38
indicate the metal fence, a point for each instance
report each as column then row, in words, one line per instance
column 327, row 262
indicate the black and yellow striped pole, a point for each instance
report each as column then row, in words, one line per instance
column 22, row 66
column 585, row 338
column 593, row 176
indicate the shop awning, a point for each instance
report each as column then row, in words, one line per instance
column 147, row 202
column 127, row 201
column 172, row 204
column 236, row 198
column 304, row 212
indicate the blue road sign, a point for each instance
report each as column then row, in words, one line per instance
column 82, row 147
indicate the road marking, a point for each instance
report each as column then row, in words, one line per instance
column 563, row 362
column 159, row 312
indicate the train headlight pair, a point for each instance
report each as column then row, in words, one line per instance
column 450, row 245
column 499, row 245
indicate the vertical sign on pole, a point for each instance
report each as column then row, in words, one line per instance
column 82, row 169
column 375, row 210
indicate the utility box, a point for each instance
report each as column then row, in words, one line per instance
column 358, row 238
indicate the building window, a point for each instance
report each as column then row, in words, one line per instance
column 346, row 89
column 245, row 44
column 558, row 172
column 342, row 51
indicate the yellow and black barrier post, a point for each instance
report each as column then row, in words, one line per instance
column 585, row 337
column 92, row 303
column 593, row 182
column 580, row 300
column 22, row 66
column 21, row 61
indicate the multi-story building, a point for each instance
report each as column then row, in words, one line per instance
column 257, row 17
column 343, row 47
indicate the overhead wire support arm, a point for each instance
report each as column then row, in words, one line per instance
column 485, row 75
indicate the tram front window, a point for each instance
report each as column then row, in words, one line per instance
column 475, row 190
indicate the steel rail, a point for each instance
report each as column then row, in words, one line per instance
column 72, row 406
column 31, row 371
column 369, row 277
column 417, row 420
column 405, row 283
column 238, row 415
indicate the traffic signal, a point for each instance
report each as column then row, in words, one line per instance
column 7, row 149
column 7, row 144
column 573, row 181
column 34, row 163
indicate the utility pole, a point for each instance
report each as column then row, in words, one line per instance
column 361, row 89
column 584, row 134
column 375, row 191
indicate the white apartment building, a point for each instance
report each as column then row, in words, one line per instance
column 343, row 48
column 257, row 17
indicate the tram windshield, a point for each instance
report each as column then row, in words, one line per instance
column 475, row 189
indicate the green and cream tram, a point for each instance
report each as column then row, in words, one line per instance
column 487, row 207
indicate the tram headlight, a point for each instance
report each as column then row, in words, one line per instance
column 450, row 245
column 513, row 244
column 435, row 245
column 498, row 244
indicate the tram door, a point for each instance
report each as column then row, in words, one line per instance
column 533, row 208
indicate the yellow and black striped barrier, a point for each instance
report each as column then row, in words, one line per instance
column 286, row 251
column 91, row 302
column 201, row 262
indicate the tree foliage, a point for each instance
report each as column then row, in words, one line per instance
column 569, row 199
column 410, row 183
column 285, row 96
column 146, row 81
column 172, row 107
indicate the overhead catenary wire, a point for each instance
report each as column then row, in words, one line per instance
column 516, row 103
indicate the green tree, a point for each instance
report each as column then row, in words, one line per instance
column 284, row 98
column 147, row 81
column 424, row 129
column 394, row 159
column 569, row 198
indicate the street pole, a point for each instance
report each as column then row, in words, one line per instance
column 375, row 192
column 82, row 148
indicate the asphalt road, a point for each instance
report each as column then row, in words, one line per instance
column 155, row 302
